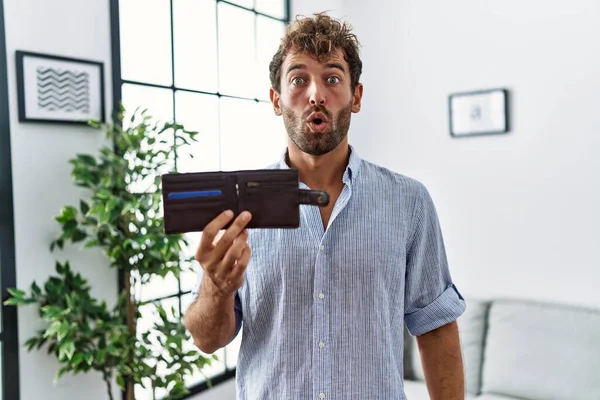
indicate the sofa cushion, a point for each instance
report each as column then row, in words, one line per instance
column 542, row 351
column 496, row 397
column 471, row 327
column 417, row 390
column 409, row 348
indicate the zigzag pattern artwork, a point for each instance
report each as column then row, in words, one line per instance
column 63, row 90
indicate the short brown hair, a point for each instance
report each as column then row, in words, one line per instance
column 317, row 36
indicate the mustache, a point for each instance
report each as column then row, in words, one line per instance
column 320, row 109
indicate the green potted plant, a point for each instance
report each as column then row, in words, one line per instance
column 126, row 224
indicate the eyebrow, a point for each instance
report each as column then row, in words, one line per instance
column 303, row 66
column 336, row 65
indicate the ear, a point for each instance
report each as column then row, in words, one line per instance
column 275, row 99
column 357, row 97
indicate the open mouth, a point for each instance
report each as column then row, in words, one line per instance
column 317, row 122
column 317, row 125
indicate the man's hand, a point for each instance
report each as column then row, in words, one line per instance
column 210, row 318
column 224, row 263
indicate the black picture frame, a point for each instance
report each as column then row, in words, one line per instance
column 57, row 89
column 480, row 112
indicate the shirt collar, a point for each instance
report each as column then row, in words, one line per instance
column 349, row 174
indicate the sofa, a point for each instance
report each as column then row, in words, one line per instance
column 521, row 350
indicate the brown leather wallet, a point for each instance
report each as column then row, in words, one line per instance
column 192, row 200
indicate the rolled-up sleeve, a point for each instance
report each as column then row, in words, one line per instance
column 431, row 299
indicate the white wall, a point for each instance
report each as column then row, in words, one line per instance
column 223, row 391
column 519, row 212
column 309, row 7
column 41, row 176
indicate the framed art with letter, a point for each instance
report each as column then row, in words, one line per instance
column 478, row 113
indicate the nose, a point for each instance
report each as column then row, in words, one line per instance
column 317, row 95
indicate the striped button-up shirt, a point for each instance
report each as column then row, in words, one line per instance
column 322, row 310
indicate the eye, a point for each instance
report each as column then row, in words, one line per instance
column 297, row 80
column 333, row 80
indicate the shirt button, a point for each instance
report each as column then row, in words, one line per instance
column 321, row 345
column 321, row 296
column 321, row 395
column 321, row 247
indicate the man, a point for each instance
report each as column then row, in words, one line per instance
column 323, row 306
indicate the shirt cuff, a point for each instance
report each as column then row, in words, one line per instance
column 239, row 315
column 445, row 309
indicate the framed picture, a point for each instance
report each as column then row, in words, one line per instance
column 59, row 89
column 482, row 112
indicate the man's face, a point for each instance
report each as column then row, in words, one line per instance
column 316, row 101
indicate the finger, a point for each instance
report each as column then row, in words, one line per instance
column 243, row 261
column 233, row 254
column 231, row 234
column 211, row 230
column 237, row 274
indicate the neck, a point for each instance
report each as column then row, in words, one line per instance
column 321, row 171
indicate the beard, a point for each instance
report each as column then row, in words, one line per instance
column 317, row 143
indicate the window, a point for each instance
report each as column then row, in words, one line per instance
column 203, row 63
column 9, row 343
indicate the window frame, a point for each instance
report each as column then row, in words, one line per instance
column 9, row 334
column 117, row 84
